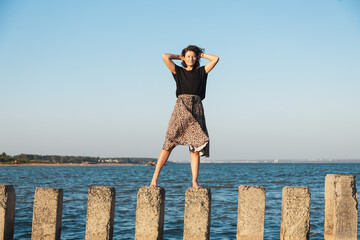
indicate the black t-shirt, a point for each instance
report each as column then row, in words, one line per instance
column 190, row 82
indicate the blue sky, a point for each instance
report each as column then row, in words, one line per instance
column 87, row 78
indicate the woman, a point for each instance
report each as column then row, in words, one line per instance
column 187, row 123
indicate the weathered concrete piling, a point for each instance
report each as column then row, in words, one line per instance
column 251, row 213
column 47, row 213
column 100, row 213
column 7, row 211
column 341, row 213
column 150, row 213
column 295, row 213
column 197, row 214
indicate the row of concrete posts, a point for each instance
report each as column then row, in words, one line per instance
column 341, row 214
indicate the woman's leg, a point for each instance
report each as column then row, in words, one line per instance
column 163, row 157
column 195, row 162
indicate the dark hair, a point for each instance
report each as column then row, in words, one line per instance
column 198, row 51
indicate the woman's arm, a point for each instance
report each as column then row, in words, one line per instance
column 167, row 57
column 213, row 61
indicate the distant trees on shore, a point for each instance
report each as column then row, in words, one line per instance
column 5, row 158
column 35, row 158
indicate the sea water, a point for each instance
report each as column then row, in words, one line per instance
column 223, row 179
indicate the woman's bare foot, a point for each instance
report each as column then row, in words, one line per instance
column 153, row 184
column 196, row 185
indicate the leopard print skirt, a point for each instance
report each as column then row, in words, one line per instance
column 187, row 126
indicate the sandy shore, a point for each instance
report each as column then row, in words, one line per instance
column 68, row 164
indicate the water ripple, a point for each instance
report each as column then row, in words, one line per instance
column 223, row 179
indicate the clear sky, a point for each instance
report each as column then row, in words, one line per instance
column 87, row 77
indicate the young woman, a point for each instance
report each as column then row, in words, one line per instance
column 187, row 123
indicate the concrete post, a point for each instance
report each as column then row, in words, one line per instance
column 100, row 213
column 7, row 212
column 150, row 213
column 197, row 214
column 251, row 213
column 47, row 213
column 295, row 213
column 341, row 213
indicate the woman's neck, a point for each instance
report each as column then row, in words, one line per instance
column 189, row 68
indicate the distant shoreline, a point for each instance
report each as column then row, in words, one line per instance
column 146, row 164
column 67, row 164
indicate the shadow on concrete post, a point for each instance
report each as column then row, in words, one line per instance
column 47, row 213
column 7, row 212
column 150, row 213
column 341, row 202
column 197, row 215
column 251, row 213
column 100, row 213
column 295, row 213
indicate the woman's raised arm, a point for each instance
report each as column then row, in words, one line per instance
column 167, row 57
column 213, row 61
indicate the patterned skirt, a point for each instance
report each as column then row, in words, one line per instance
column 187, row 125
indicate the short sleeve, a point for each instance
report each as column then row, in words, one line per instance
column 177, row 70
column 203, row 72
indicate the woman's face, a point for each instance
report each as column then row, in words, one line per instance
column 190, row 58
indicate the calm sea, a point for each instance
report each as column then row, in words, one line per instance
column 223, row 180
